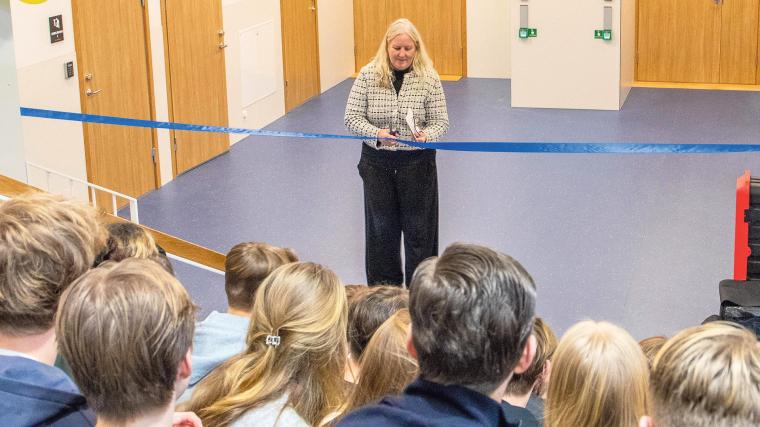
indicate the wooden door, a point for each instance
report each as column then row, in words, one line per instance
column 697, row 41
column 442, row 24
column 738, row 47
column 196, row 76
column 114, row 79
column 300, row 51
column 679, row 41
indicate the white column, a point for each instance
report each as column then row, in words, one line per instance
column 565, row 66
column 12, row 156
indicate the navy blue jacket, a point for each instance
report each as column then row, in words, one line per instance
column 33, row 393
column 425, row 403
column 536, row 407
column 521, row 416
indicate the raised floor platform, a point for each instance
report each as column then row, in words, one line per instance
column 640, row 240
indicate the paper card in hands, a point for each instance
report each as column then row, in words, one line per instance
column 410, row 121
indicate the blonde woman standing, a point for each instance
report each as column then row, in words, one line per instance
column 400, row 181
column 599, row 378
column 291, row 373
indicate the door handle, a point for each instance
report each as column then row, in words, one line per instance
column 222, row 45
column 90, row 92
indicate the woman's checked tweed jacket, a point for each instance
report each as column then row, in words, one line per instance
column 371, row 107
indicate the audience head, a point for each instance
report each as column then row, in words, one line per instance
column 163, row 260
column 535, row 378
column 707, row 376
column 599, row 378
column 129, row 240
column 650, row 346
column 387, row 367
column 126, row 330
column 369, row 310
column 295, row 344
column 46, row 242
column 472, row 312
column 247, row 265
column 353, row 292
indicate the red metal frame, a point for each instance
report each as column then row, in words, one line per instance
column 741, row 236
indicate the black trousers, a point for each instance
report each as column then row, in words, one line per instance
column 400, row 198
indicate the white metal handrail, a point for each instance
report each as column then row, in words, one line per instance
column 194, row 264
column 91, row 188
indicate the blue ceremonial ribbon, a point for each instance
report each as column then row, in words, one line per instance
column 477, row 146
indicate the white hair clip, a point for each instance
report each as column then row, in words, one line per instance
column 273, row 340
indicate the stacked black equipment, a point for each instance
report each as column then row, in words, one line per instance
column 740, row 297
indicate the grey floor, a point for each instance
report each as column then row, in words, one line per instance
column 639, row 240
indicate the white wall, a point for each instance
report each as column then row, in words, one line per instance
column 336, row 41
column 239, row 15
column 12, row 146
column 54, row 144
column 488, row 38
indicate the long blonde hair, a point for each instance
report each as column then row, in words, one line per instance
column 600, row 377
column 387, row 367
column 422, row 64
column 305, row 305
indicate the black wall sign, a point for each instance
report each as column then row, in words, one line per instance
column 56, row 28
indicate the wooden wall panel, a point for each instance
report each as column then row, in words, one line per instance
column 371, row 19
column 698, row 41
column 441, row 23
column 679, row 41
column 738, row 47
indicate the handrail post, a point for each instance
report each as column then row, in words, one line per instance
column 92, row 189
column 133, row 215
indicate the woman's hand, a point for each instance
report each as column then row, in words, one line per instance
column 386, row 138
column 420, row 136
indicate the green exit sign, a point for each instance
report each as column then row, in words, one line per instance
column 603, row 34
column 524, row 33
